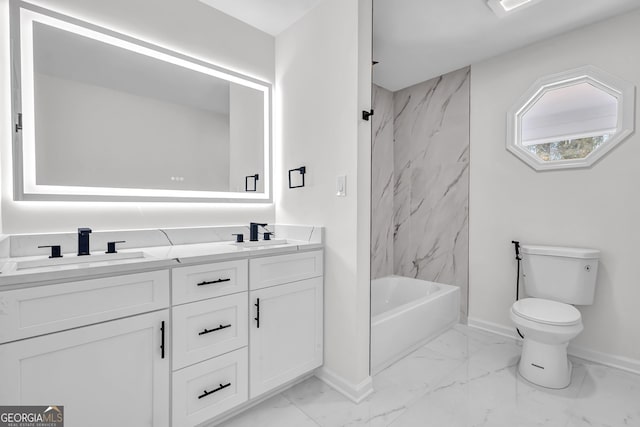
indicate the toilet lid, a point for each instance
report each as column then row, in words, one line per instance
column 547, row 311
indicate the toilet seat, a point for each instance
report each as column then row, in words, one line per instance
column 547, row 312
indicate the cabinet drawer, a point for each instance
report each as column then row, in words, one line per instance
column 205, row 329
column 198, row 282
column 276, row 270
column 206, row 390
column 45, row 309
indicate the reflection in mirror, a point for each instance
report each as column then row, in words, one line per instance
column 571, row 119
column 104, row 116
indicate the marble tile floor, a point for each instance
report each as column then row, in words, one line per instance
column 463, row 378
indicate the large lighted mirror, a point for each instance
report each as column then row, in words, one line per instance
column 571, row 119
column 101, row 116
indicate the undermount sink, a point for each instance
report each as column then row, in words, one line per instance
column 249, row 244
column 75, row 259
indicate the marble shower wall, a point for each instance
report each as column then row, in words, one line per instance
column 430, row 182
column 382, row 184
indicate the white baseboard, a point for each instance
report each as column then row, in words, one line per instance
column 355, row 392
column 612, row 360
column 495, row 328
column 619, row 362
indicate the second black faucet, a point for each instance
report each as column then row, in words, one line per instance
column 83, row 241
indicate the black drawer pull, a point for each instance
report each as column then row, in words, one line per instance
column 207, row 393
column 213, row 281
column 208, row 331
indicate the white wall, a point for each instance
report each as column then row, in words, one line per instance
column 597, row 207
column 189, row 27
column 323, row 81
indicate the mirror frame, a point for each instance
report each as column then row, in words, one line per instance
column 620, row 89
column 24, row 171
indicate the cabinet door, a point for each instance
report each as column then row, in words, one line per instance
column 286, row 341
column 110, row 374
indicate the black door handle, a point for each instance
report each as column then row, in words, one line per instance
column 213, row 281
column 162, row 339
column 257, row 318
column 208, row 331
column 207, row 393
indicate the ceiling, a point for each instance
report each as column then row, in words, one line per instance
column 270, row 16
column 416, row 40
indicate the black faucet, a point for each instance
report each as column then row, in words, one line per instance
column 83, row 241
column 253, row 231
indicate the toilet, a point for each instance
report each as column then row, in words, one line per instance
column 554, row 279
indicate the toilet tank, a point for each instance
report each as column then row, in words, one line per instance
column 561, row 274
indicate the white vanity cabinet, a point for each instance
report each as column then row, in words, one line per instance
column 110, row 373
column 286, row 317
column 177, row 347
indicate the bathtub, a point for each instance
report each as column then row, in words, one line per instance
column 405, row 314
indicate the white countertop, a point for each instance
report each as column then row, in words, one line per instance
column 153, row 258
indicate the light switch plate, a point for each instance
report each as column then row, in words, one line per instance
column 341, row 186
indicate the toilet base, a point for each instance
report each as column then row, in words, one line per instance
column 545, row 365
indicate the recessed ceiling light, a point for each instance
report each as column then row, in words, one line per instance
column 502, row 7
